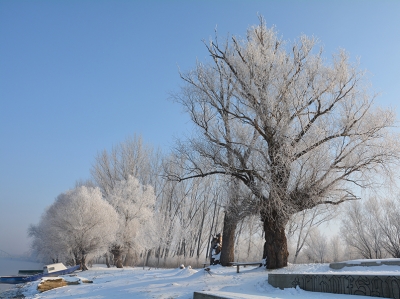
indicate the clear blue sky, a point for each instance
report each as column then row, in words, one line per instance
column 77, row 77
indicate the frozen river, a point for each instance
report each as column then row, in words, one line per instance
column 11, row 266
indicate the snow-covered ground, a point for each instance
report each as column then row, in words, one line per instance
column 181, row 283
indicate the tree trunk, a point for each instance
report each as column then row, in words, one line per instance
column 118, row 261
column 199, row 235
column 117, row 253
column 83, row 264
column 144, row 258
column 228, row 240
column 107, row 260
column 208, row 250
column 275, row 247
column 130, row 258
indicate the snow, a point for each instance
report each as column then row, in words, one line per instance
column 250, row 283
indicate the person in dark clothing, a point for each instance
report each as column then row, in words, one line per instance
column 214, row 242
column 216, row 246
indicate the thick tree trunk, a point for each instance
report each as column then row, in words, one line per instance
column 275, row 247
column 81, row 261
column 118, row 261
column 130, row 258
column 228, row 240
column 83, row 264
column 117, row 253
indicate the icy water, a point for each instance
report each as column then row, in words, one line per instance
column 12, row 266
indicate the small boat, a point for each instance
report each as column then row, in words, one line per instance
column 29, row 272
column 51, row 270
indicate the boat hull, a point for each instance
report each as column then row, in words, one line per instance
column 23, row 279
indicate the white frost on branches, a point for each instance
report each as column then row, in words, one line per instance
column 78, row 225
column 134, row 204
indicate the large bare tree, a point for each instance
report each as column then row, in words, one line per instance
column 296, row 129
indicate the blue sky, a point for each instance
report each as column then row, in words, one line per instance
column 77, row 77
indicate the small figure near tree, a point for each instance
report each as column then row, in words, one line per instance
column 215, row 249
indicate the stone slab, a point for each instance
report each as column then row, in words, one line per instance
column 365, row 263
column 385, row 286
column 223, row 295
column 203, row 295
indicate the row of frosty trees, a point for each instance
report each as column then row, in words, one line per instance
column 128, row 212
column 280, row 133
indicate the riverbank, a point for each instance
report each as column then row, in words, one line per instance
column 11, row 266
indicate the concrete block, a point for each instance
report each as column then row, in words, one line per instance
column 201, row 295
column 365, row 263
column 337, row 266
column 367, row 285
column 223, row 295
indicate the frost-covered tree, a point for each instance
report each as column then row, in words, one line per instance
column 190, row 213
column 360, row 229
column 301, row 224
column 336, row 249
column 297, row 129
column 389, row 223
column 46, row 242
column 134, row 204
column 372, row 227
column 78, row 225
column 131, row 157
column 317, row 247
column 249, row 239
